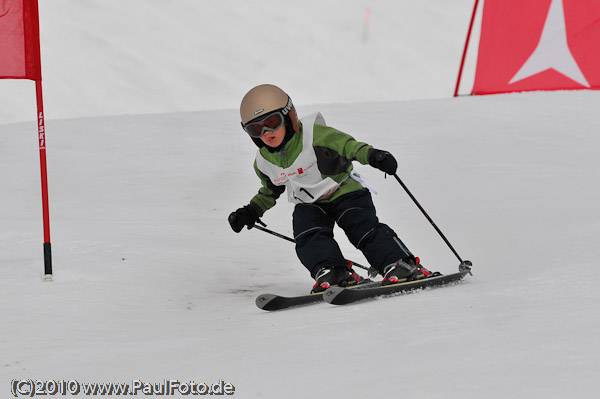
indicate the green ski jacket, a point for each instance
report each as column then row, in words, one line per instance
column 313, row 170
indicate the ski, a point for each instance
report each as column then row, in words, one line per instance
column 343, row 296
column 279, row 302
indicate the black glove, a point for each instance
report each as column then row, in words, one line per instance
column 245, row 216
column 383, row 161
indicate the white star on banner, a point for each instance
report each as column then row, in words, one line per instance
column 552, row 51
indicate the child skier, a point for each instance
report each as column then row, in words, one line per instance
column 314, row 162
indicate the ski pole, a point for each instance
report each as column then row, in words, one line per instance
column 274, row 233
column 465, row 265
column 372, row 271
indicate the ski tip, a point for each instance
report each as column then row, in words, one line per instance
column 263, row 300
column 331, row 293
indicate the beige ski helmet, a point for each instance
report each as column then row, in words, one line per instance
column 267, row 98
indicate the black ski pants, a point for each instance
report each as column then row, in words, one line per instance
column 355, row 214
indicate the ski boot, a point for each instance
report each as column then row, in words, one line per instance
column 342, row 276
column 402, row 271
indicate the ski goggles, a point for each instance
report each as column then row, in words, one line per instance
column 270, row 122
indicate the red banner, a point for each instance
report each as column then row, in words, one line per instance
column 538, row 45
column 19, row 40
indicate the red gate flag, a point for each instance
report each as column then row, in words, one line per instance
column 538, row 45
column 20, row 59
column 19, row 40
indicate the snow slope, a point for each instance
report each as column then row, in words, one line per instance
column 107, row 57
column 150, row 282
